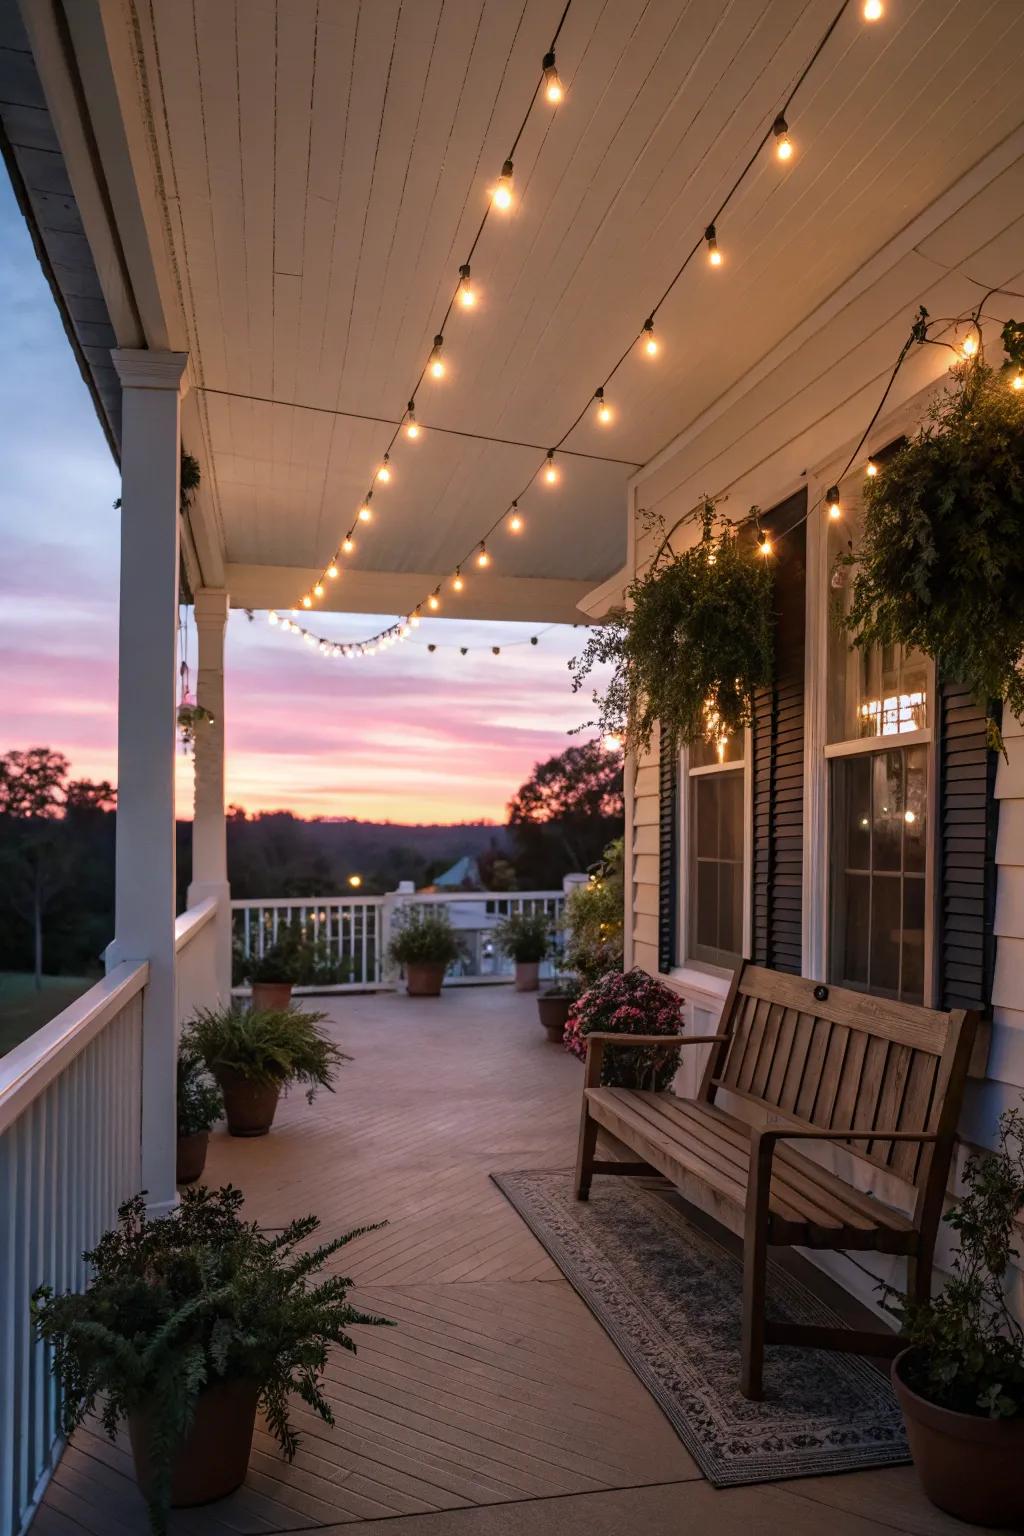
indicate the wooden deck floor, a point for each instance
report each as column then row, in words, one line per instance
column 498, row 1407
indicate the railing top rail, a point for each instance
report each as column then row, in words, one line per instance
column 192, row 920
column 306, row 901
column 481, row 896
column 31, row 1066
column 436, row 897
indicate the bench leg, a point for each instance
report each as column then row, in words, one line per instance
column 755, row 1265
column 585, row 1154
column 919, row 1276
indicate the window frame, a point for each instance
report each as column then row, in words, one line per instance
column 692, row 961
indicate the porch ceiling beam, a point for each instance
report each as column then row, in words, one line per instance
column 531, row 599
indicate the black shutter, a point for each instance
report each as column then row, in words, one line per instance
column 968, row 812
column 668, row 854
column 778, row 755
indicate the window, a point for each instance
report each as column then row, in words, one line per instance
column 878, row 749
column 716, row 783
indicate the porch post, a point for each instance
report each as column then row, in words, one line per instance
column 209, row 832
column 144, row 903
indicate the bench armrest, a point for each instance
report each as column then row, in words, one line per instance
column 763, row 1142
column 609, row 1037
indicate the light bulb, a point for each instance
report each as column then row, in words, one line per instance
column 384, row 473
column 309, row 639
column 502, row 194
column 969, row 345
column 318, row 590
column 364, row 511
column 871, row 468
column 649, row 339
column 1018, row 382
column 332, row 571
column 307, row 601
column 764, row 543
column 272, row 617
column 404, row 632
column 873, row 10
column 783, row 142
column 457, row 581
column 467, row 298
column 832, row 497
column 909, row 817
column 433, row 601
column 412, row 426
column 483, row 558
column 348, row 544
column 551, row 468
column 436, row 361
column 553, row 88
column 415, row 620
column 604, row 410
column 515, row 522
column 714, row 254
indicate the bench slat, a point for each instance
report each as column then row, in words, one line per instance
column 923, row 1029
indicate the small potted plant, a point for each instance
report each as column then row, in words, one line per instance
column 274, row 973
column 200, row 1106
column 632, row 1003
column 424, row 944
column 960, row 1381
column 255, row 1053
column 554, row 1003
column 187, row 1326
column 525, row 937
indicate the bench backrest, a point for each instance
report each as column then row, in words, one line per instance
column 835, row 1059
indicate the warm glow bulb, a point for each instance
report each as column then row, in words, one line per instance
column 714, row 254
column 909, row 817
column 764, row 543
column 272, row 617
column 434, row 601
column 515, row 523
column 436, row 361
column 457, row 582
column 483, row 558
column 553, row 88
column 783, row 142
column 832, row 497
column 318, row 590
column 873, row 10
column 332, row 571
column 604, row 410
column 348, row 545
column 412, row 427
column 551, row 469
column 415, row 620
column 384, row 473
column 307, row 601
column 1018, row 382
column 650, row 340
column 355, row 881
column 502, row 195
column 871, row 468
column 364, row 513
column 969, row 346
column 467, row 298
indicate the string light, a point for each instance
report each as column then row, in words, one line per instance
column 1018, row 382
column 483, row 558
column 272, row 617
column 332, row 570
column 502, row 195
column 714, row 254
column 832, row 497
column 515, row 521
column 434, row 600
column 553, row 88
column 384, row 473
column 467, row 298
column 969, row 345
column 650, row 341
column 873, row 10
column 551, row 468
column 436, row 362
column 783, row 142
column 412, row 426
column 871, row 469
column 307, row 601
column 348, row 544
column 604, row 410
column 365, row 514
column 764, row 543
column 457, row 581
column 318, row 590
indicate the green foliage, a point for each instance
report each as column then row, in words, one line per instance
column 200, row 1105
column 941, row 562
column 265, row 1045
column 565, row 813
column 423, row 936
column 594, row 918
column 524, row 937
column 967, row 1347
column 694, row 644
column 184, row 1302
column 297, row 957
column 630, row 1003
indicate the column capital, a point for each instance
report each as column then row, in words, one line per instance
column 210, row 606
column 142, row 368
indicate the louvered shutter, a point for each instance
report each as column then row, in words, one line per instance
column 778, row 756
column 968, row 812
column 668, row 855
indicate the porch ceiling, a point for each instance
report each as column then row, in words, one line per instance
column 294, row 186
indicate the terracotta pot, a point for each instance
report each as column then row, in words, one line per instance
column 192, row 1156
column 554, row 1015
column 968, row 1466
column 250, row 1107
column 424, row 978
column 527, row 975
column 271, row 994
column 212, row 1460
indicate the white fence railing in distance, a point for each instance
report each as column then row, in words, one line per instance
column 70, row 1131
column 353, row 933
column 195, row 950
column 348, row 932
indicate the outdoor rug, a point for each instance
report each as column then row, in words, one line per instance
column 668, row 1295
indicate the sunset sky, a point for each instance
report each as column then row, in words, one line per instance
column 404, row 736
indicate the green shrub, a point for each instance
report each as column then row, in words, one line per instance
column 423, row 936
column 266, row 1045
column 296, row 956
column 178, row 1304
column 594, row 918
column 524, row 937
column 200, row 1105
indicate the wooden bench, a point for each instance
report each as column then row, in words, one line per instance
column 806, row 1062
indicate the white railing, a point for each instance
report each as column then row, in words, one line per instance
column 70, row 1131
column 353, row 932
column 195, row 949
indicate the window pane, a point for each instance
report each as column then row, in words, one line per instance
column 886, row 932
column 728, row 750
column 707, row 791
column 716, row 801
column 730, row 815
column 912, row 978
column 887, row 809
column 851, row 927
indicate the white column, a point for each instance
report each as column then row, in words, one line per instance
column 209, row 831
column 152, row 384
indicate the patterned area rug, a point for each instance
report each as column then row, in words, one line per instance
column 669, row 1297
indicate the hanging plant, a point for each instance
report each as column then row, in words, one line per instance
column 941, row 561
column 190, row 717
column 694, row 644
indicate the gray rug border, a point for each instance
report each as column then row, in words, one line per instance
column 756, row 1471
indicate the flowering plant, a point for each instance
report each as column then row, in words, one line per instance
column 633, row 1003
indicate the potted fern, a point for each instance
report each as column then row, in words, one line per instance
column 424, row 945
column 960, row 1381
column 256, row 1053
column 200, row 1106
column 187, row 1326
column 525, row 937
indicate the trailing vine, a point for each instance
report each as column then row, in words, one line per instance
column 693, row 645
column 940, row 565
